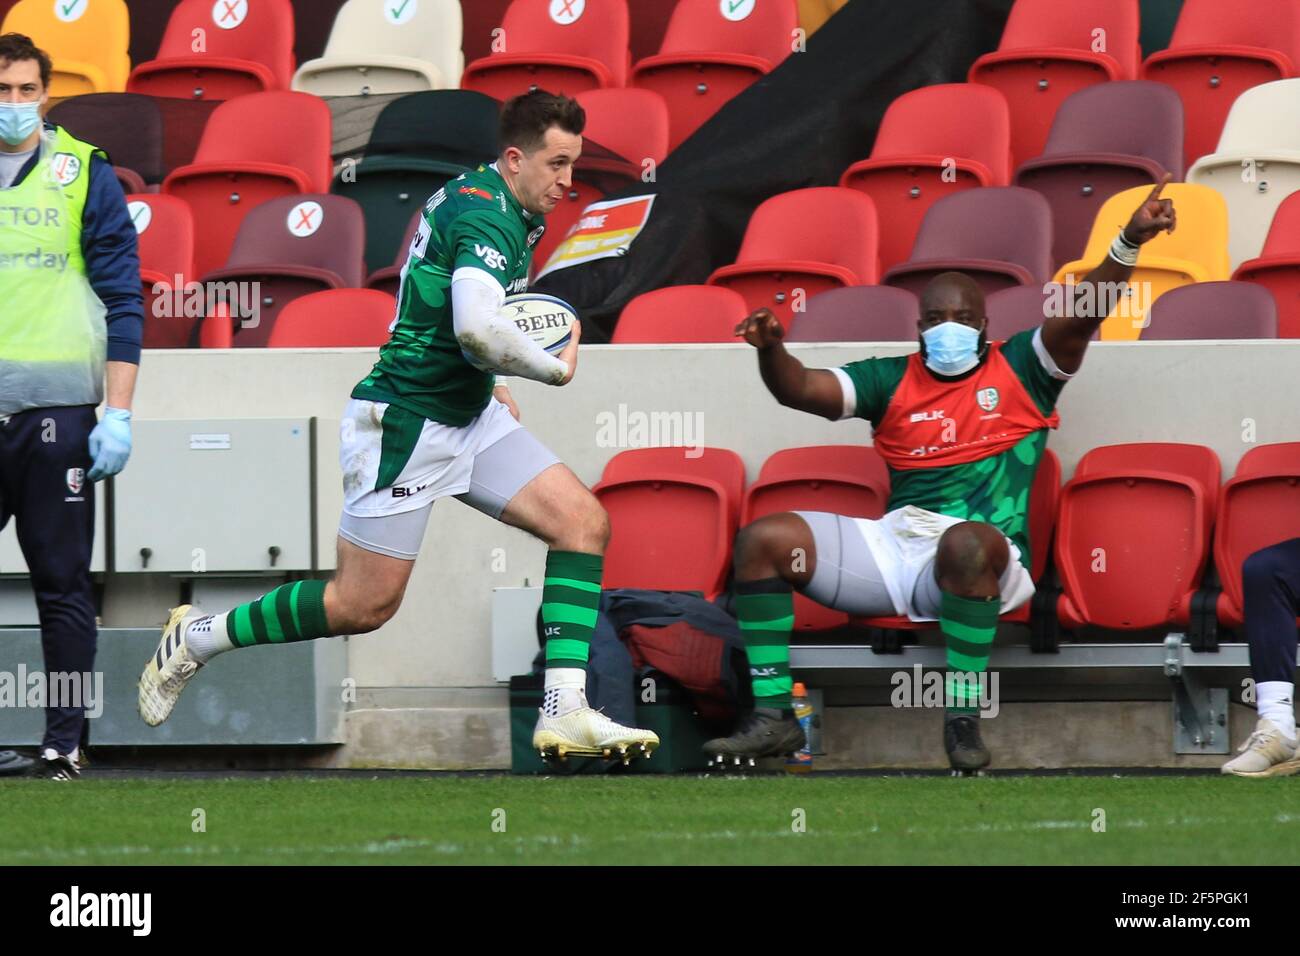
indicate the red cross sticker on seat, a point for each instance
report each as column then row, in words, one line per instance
column 565, row 12
column 305, row 218
column 228, row 14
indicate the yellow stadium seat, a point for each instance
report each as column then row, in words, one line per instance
column 1196, row 251
column 86, row 39
column 813, row 13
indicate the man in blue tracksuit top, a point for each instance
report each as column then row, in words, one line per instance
column 71, row 316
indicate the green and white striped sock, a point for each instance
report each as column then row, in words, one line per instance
column 765, row 610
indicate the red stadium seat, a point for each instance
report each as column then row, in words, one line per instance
column 1000, row 236
column 165, row 229
column 254, row 148
column 1258, row 507
column 841, row 479
column 1278, row 267
column 220, row 49
column 932, row 142
column 291, row 247
column 389, row 278
column 859, row 313
column 1050, row 50
column 1219, row 50
column 1133, row 535
column 680, row 313
column 673, row 517
column 707, row 57
column 565, row 47
column 803, row 242
column 632, row 125
column 336, row 318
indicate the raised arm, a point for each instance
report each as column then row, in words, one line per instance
column 814, row 390
column 1066, row 337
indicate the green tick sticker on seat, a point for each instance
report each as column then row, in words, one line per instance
column 69, row 11
column 737, row 9
column 399, row 12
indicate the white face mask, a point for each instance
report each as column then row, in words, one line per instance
column 18, row 121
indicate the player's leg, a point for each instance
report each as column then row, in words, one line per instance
column 517, row 480
column 963, row 590
column 55, row 514
column 1271, row 595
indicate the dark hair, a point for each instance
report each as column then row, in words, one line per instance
column 15, row 46
column 525, row 119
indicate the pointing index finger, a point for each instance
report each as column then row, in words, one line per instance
column 1164, row 181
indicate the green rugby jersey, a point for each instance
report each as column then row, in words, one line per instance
column 984, row 434
column 472, row 222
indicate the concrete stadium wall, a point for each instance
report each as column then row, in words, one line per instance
column 426, row 696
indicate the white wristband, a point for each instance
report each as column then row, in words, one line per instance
column 1122, row 252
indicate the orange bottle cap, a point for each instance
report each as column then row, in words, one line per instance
column 800, row 690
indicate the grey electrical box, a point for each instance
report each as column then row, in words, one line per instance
column 11, row 556
column 217, row 495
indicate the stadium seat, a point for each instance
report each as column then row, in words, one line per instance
column 87, row 41
column 220, row 50
column 1213, row 310
column 1001, row 236
column 1105, row 139
column 708, row 57
column 813, row 14
column 1044, row 498
column 254, row 148
column 389, row 278
column 1218, row 51
column 840, row 479
column 1258, row 507
column 803, row 242
column 377, row 48
column 1197, row 251
column 288, row 248
column 126, row 126
column 1257, row 163
column 932, row 142
column 165, row 230
column 1050, row 50
column 672, row 517
column 563, row 47
column 336, row 318
column 1016, row 309
column 1132, row 536
column 1278, row 268
column 625, row 127
column 680, row 313
column 859, row 313
column 418, row 143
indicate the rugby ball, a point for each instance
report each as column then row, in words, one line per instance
column 546, row 320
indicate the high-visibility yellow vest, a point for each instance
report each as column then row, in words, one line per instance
column 52, row 331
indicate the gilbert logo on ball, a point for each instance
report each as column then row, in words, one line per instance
column 228, row 14
column 565, row 12
column 546, row 320
column 305, row 218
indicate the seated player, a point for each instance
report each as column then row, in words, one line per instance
column 962, row 426
column 1270, row 581
column 426, row 424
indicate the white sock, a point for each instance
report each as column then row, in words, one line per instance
column 207, row 638
column 565, row 690
column 1276, row 703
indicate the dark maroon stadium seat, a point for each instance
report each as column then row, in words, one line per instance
column 1213, row 310
column 1106, row 138
column 127, row 126
column 1000, row 236
column 275, row 248
column 859, row 313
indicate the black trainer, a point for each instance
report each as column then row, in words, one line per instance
column 13, row 764
column 961, row 738
column 763, row 732
column 56, row 766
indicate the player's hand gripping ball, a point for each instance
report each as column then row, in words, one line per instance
column 546, row 320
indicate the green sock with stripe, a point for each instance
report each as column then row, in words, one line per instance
column 292, row 612
column 570, row 598
column 765, row 610
column 968, row 625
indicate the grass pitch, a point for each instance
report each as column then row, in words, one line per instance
column 493, row 819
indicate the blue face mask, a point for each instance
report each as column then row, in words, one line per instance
column 18, row 121
column 951, row 348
